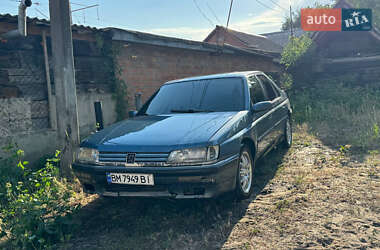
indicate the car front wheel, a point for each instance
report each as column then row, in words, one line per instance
column 244, row 182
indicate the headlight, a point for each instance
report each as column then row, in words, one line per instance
column 194, row 155
column 88, row 155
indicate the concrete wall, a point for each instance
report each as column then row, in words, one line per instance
column 86, row 111
column 16, row 120
column 147, row 67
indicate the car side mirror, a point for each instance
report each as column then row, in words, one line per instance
column 132, row 113
column 261, row 106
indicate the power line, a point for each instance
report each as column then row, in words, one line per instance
column 278, row 5
column 212, row 11
column 77, row 18
column 43, row 14
column 87, row 7
column 266, row 6
column 79, row 4
column 203, row 14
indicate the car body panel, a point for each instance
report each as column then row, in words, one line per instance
column 175, row 182
column 167, row 132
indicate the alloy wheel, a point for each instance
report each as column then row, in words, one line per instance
column 245, row 172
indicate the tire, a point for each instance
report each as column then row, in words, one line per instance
column 288, row 133
column 244, row 175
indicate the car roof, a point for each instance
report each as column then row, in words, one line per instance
column 223, row 75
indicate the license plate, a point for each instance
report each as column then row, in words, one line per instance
column 130, row 179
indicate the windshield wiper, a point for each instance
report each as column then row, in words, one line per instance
column 189, row 111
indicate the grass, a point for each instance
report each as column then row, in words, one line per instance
column 340, row 112
column 297, row 192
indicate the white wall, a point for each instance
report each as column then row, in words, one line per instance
column 86, row 111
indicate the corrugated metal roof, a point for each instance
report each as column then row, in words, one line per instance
column 39, row 21
column 152, row 39
column 282, row 37
column 147, row 38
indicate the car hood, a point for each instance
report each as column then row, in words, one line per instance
column 159, row 133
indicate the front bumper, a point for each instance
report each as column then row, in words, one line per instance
column 204, row 181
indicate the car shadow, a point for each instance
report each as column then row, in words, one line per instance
column 337, row 140
column 109, row 223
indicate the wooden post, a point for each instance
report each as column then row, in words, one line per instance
column 52, row 109
column 64, row 79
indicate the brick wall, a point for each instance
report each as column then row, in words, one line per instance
column 147, row 67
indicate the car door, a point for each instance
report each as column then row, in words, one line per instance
column 276, row 116
column 260, row 121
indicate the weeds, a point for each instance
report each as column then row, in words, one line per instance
column 35, row 204
column 373, row 163
column 376, row 133
column 255, row 231
column 344, row 149
column 282, row 205
column 340, row 112
column 299, row 180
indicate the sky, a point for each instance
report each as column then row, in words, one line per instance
column 188, row 19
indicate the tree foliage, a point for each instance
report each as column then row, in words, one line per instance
column 294, row 50
column 297, row 16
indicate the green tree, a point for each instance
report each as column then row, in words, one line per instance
column 297, row 16
column 294, row 50
column 296, row 21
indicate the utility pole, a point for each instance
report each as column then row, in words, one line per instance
column 228, row 21
column 64, row 80
column 291, row 22
column 229, row 14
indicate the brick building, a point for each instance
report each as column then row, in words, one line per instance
column 149, row 60
column 146, row 62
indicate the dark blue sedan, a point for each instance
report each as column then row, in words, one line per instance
column 194, row 138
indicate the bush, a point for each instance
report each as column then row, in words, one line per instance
column 294, row 50
column 36, row 207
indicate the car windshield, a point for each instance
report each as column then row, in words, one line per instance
column 211, row 95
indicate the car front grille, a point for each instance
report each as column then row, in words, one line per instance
column 140, row 158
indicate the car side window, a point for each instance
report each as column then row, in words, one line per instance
column 255, row 90
column 267, row 85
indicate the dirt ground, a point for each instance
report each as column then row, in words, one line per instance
column 308, row 197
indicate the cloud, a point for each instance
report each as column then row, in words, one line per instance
column 268, row 21
column 197, row 34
